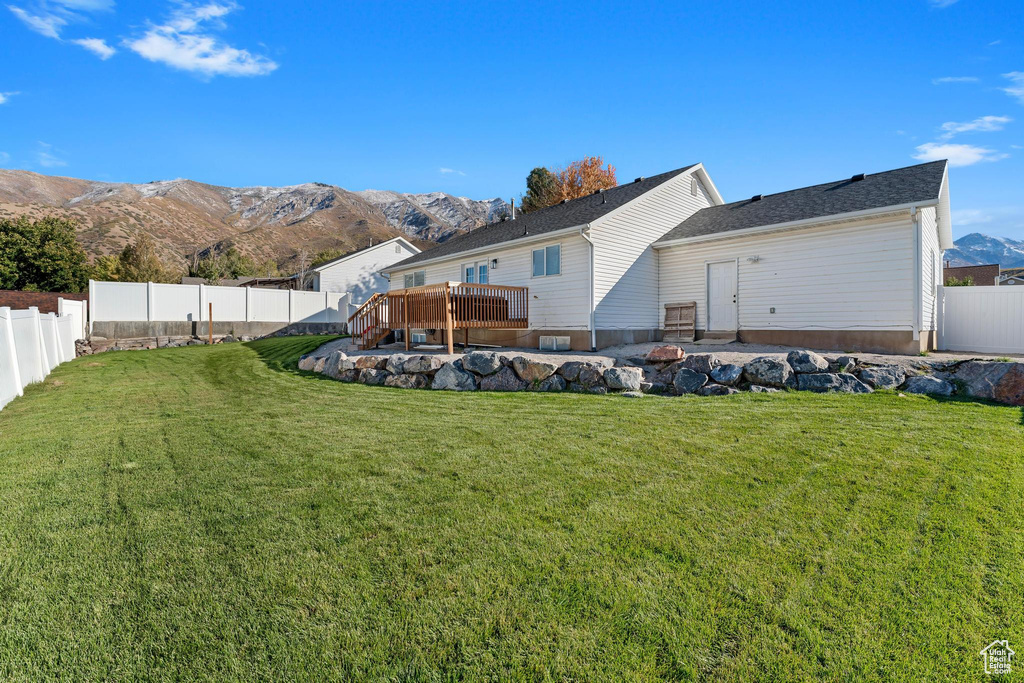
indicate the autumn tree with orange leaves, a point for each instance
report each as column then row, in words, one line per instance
column 583, row 177
column 576, row 179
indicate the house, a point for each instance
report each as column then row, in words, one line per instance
column 980, row 276
column 1011, row 276
column 264, row 282
column 851, row 264
column 358, row 272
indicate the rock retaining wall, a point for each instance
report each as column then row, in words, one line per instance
column 667, row 371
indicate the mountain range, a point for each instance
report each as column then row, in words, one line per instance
column 274, row 223
column 977, row 249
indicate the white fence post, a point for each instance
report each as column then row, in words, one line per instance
column 248, row 304
column 10, row 375
column 291, row 306
column 149, row 301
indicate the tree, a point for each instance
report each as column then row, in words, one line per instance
column 583, row 177
column 966, row 281
column 42, row 255
column 576, row 179
column 540, row 190
column 139, row 262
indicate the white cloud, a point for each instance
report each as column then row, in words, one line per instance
column 4, row 96
column 4, row 157
column 939, row 4
column 955, row 79
column 46, row 158
column 185, row 43
column 983, row 124
column 47, row 23
column 1017, row 88
column 958, row 155
column 97, row 46
column 449, row 170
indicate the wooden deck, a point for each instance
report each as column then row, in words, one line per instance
column 447, row 306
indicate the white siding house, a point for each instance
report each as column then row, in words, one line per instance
column 853, row 264
column 358, row 273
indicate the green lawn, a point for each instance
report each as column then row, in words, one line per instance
column 212, row 512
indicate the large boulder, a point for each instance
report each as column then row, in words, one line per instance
column 806, row 361
column 504, row 380
column 716, row 390
column 758, row 389
column 338, row 363
column 407, row 381
column 553, row 383
column 424, row 365
column 822, row 382
column 371, row 362
column 482, row 362
column 453, row 378
column 842, row 364
column 884, row 377
column 571, row 370
column 688, row 381
column 665, row 354
column 624, row 379
column 532, row 370
column 728, row 374
column 924, row 384
column 396, row 364
column 993, row 380
column 769, row 372
column 591, row 376
column 373, row 377
column 319, row 364
column 305, row 362
column 698, row 362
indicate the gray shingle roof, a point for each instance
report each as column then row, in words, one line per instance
column 877, row 190
column 570, row 214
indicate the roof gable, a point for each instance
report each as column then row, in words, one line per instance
column 920, row 183
column 572, row 213
column 333, row 262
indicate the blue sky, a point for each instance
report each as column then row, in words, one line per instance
column 468, row 97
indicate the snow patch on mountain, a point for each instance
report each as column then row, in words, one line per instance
column 434, row 216
column 977, row 249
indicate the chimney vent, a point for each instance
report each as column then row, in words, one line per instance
column 859, row 176
column 757, row 198
column 639, row 180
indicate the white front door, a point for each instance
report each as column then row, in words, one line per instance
column 722, row 315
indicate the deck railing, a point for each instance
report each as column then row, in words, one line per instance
column 445, row 306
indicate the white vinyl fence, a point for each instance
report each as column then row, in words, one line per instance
column 149, row 301
column 983, row 319
column 31, row 345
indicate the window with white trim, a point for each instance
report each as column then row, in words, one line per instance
column 417, row 279
column 547, row 261
column 475, row 273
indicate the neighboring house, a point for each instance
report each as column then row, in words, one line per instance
column 981, row 276
column 1011, row 276
column 852, row 264
column 46, row 302
column 358, row 272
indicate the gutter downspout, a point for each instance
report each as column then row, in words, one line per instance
column 593, row 332
column 918, row 300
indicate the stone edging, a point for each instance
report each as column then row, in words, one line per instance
column 668, row 371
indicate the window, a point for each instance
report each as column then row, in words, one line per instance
column 547, row 261
column 693, row 186
column 417, row 279
column 475, row 272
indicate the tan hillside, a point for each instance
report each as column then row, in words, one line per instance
column 262, row 222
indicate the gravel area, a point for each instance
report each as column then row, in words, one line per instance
column 735, row 352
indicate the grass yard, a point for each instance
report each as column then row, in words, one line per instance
column 213, row 513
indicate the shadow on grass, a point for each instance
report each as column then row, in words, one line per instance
column 281, row 354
